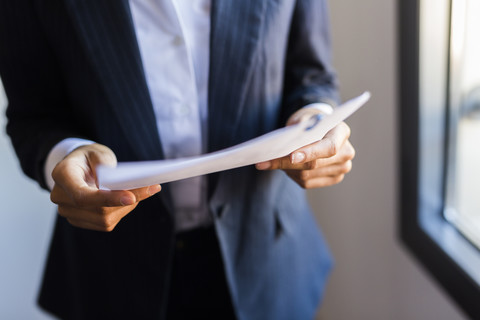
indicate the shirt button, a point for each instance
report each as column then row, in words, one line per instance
column 177, row 41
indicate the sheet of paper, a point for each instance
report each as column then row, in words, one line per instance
column 275, row 144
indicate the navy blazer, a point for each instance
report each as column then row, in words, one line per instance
column 72, row 68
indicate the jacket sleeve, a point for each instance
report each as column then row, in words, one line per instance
column 38, row 115
column 309, row 75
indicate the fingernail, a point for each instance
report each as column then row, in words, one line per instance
column 126, row 201
column 263, row 165
column 298, row 157
column 154, row 189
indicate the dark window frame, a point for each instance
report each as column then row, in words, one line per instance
column 420, row 237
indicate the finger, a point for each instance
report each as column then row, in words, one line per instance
column 328, row 171
column 73, row 171
column 82, row 163
column 319, row 182
column 88, row 197
column 286, row 164
column 87, row 225
column 334, row 147
column 278, row 163
column 325, row 148
column 145, row 192
column 103, row 220
column 75, row 175
column 94, row 215
column 346, row 153
column 98, row 154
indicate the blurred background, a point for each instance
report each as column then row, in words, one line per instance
column 374, row 276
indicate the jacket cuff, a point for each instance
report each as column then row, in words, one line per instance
column 58, row 152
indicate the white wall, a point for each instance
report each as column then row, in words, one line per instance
column 374, row 277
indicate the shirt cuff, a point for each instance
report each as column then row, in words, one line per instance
column 58, row 152
column 310, row 110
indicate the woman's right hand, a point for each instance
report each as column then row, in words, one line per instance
column 80, row 200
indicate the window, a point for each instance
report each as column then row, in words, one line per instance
column 462, row 206
column 439, row 118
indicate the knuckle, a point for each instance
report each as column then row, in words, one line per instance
column 62, row 211
column 58, row 171
column 346, row 167
column 305, row 184
column 103, row 211
column 107, row 224
column 311, row 165
column 274, row 164
column 349, row 166
column 304, row 175
column 339, row 178
column 284, row 163
column 350, row 152
column 332, row 148
column 54, row 196
column 353, row 152
column 348, row 130
column 108, row 228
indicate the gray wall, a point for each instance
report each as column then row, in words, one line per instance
column 374, row 277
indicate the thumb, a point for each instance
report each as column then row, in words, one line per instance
column 96, row 154
column 76, row 176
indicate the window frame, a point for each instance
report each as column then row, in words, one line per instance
column 432, row 240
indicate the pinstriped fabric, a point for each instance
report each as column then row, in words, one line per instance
column 29, row 98
column 106, row 29
column 270, row 277
column 233, row 44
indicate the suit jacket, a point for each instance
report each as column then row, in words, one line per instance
column 72, row 68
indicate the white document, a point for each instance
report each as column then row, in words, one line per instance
column 275, row 144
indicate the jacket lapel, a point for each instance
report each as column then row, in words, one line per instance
column 235, row 33
column 106, row 29
column 107, row 32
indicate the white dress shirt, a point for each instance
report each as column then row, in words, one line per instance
column 174, row 42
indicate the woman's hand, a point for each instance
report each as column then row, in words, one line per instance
column 80, row 200
column 320, row 164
